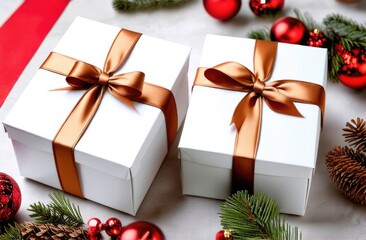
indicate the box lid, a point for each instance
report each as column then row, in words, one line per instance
column 113, row 142
column 288, row 145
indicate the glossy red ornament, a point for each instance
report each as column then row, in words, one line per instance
column 288, row 30
column 10, row 197
column 113, row 227
column 224, row 235
column 141, row 230
column 222, row 9
column 353, row 70
column 95, row 227
column 266, row 7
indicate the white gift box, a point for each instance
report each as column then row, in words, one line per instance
column 120, row 153
column 288, row 146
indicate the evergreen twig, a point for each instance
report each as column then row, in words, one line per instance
column 59, row 211
column 255, row 217
column 134, row 5
column 350, row 33
column 12, row 233
column 262, row 34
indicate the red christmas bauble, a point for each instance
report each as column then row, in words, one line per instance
column 10, row 197
column 266, row 7
column 141, row 230
column 355, row 82
column 288, row 30
column 222, row 9
column 353, row 70
column 113, row 227
column 95, row 226
column 223, row 235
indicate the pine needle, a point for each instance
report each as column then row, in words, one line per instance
column 262, row 34
column 255, row 217
column 59, row 211
column 12, row 233
column 350, row 33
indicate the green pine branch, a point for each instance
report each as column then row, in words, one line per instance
column 255, row 217
column 134, row 5
column 59, row 211
column 350, row 33
column 12, row 233
column 262, row 34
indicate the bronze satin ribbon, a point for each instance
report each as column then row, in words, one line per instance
column 278, row 95
column 125, row 87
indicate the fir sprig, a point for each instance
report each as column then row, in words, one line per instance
column 12, row 233
column 349, row 32
column 59, row 211
column 255, row 217
column 134, row 5
column 262, row 34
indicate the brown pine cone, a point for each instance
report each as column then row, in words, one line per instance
column 34, row 231
column 347, row 169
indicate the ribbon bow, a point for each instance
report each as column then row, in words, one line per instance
column 278, row 95
column 125, row 87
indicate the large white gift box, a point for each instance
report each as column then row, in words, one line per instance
column 288, row 145
column 122, row 149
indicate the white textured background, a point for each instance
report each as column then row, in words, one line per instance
column 329, row 214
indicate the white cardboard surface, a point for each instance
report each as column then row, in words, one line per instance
column 121, row 147
column 288, row 146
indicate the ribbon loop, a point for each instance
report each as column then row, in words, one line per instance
column 83, row 75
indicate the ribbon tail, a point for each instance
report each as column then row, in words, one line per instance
column 123, row 99
column 69, row 135
column 163, row 99
column 247, row 140
column 280, row 103
column 303, row 92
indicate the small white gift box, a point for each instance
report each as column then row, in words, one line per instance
column 122, row 149
column 288, row 145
